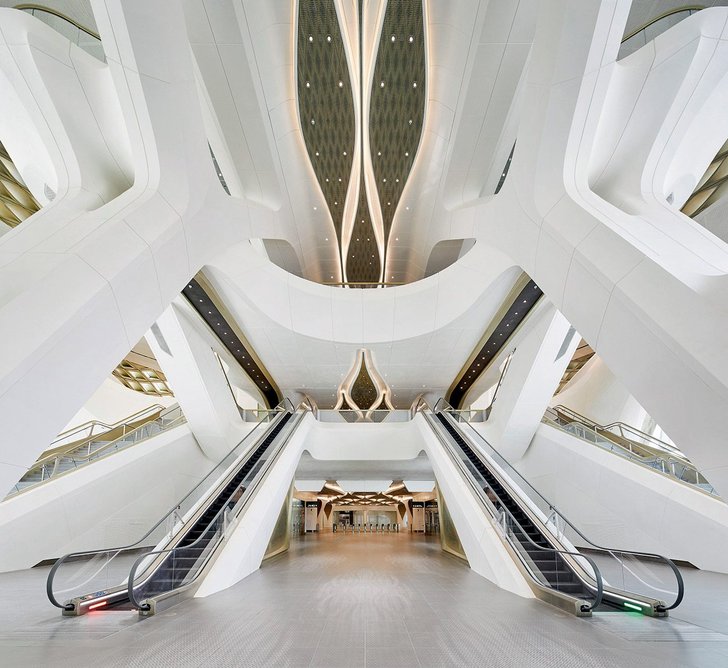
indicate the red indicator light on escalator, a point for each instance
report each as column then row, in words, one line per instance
column 97, row 605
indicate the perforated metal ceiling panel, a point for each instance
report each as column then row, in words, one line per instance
column 397, row 102
column 363, row 262
column 325, row 102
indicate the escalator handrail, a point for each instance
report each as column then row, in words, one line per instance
column 488, row 504
column 511, row 468
column 135, row 544
column 237, row 509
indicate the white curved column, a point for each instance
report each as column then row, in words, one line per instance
column 629, row 279
column 79, row 287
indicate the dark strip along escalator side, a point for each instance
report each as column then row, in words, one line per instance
column 84, row 581
column 177, row 566
column 550, row 562
column 543, row 548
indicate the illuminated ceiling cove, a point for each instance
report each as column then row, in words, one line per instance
column 373, row 164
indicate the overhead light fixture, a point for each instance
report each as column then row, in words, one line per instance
column 341, row 84
column 381, row 84
column 308, row 84
column 411, row 39
column 414, row 84
column 394, row 38
column 328, row 38
column 310, row 38
column 313, row 121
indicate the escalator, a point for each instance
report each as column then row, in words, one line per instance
column 540, row 539
column 173, row 564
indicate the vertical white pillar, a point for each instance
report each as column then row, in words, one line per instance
column 183, row 349
column 532, row 377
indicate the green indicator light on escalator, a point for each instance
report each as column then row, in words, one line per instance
column 632, row 607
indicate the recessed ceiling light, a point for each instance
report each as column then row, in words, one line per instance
column 326, row 239
column 394, row 38
column 414, row 84
column 344, row 152
column 313, row 121
column 407, row 208
column 310, row 38
column 406, row 154
column 379, row 153
column 315, row 208
column 381, row 84
column 308, row 84
column 410, row 121
column 396, row 238
column 341, row 84
column 328, row 38
column 339, row 180
column 411, row 39
column 384, row 180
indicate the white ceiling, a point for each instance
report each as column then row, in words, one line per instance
column 311, row 351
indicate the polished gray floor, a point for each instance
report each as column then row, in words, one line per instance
column 362, row 600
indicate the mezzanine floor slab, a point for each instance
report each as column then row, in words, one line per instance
column 361, row 600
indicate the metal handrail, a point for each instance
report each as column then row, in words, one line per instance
column 170, row 513
column 234, row 512
column 488, row 504
column 592, row 544
column 658, row 444
column 40, row 8
column 121, row 425
column 664, row 15
column 107, row 427
column 54, row 460
column 663, row 463
column 363, row 415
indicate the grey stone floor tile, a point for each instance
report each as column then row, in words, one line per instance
column 363, row 601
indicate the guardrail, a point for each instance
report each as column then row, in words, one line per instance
column 79, row 454
column 677, row 467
